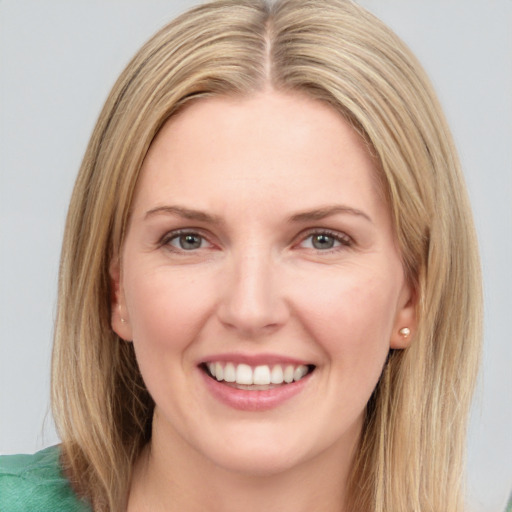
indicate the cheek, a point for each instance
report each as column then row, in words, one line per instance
column 166, row 313
column 165, row 308
column 351, row 316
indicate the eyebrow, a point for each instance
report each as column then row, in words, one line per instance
column 328, row 211
column 310, row 215
column 186, row 213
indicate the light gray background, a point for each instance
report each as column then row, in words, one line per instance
column 58, row 59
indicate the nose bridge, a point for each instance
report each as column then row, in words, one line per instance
column 252, row 300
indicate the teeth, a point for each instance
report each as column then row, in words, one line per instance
column 288, row 374
column 230, row 373
column 243, row 374
column 219, row 371
column 299, row 372
column 260, row 375
column 276, row 377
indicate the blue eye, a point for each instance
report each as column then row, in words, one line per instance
column 324, row 241
column 187, row 241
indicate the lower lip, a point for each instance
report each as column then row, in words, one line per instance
column 257, row 400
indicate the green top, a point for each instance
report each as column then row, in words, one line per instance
column 36, row 483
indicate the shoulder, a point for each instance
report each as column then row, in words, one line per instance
column 36, row 482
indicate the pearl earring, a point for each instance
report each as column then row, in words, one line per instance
column 405, row 332
column 123, row 321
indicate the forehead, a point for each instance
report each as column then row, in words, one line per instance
column 263, row 146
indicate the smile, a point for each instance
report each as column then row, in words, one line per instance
column 244, row 376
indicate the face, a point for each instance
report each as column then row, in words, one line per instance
column 260, row 281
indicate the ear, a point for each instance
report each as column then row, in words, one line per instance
column 406, row 322
column 118, row 313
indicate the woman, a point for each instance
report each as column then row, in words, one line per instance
column 263, row 252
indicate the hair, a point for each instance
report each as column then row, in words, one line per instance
column 411, row 452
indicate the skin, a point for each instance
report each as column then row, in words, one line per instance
column 257, row 285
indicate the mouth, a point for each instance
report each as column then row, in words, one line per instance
column 256, row 378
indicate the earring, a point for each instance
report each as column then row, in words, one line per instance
column 123, row 321
column 405, row 332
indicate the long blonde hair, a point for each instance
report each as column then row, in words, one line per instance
column 412, row 446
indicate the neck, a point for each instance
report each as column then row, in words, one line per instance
column 174, row 477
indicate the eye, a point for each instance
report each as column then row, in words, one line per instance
column 188, row 241
column 325, row 240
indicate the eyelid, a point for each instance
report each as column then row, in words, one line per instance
column 171, row 235
column 341, row 237
column 344, row 240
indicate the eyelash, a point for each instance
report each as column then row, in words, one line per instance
column 343, row 239
column 173, row 235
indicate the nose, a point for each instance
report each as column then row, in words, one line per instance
column 252, row 299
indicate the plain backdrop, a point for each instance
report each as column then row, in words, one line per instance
column 58, row 60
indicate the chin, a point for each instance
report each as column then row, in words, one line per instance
column 258, row 463
column 259, row 451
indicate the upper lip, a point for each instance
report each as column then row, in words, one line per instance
column 254, row 359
